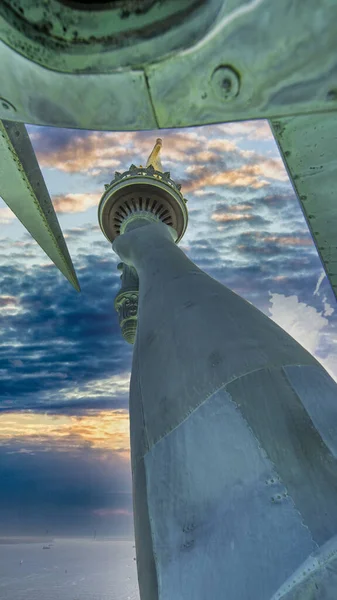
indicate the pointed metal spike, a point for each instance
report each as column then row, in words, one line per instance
column 23, row 189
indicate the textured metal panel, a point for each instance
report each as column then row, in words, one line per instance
column 308, row 146
column 23, row 189
column 315, row 579
column 99, row 37
column 212, row 336
column 118, row 101
column 255, row 59
column 318, row 394
column 224, row 533
column 281, row 423
column 277, row 58
column 239, row 486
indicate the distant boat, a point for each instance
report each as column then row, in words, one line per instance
column 21, row 561
column 47, row 547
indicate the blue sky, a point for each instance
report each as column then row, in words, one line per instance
column 64, row 367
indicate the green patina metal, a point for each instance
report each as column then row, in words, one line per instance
column 309, row 150
column 126, row 302
column 140, row 180
column 280, row 60
column 25, row 192
column 119, row 214
column 73, row 37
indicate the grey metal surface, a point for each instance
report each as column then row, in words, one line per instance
column 23, row 189
column 222, row 537
column 308, row 146
column 311, row 386
column 240, row 480
column 222, row 61
column 315, row 579
column 283, row 427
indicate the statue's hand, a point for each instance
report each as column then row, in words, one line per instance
column 131, row 245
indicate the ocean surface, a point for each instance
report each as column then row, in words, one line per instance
column 69, row 570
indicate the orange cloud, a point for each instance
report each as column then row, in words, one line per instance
column 10, row 305
column 8, row 301
column 228, row 218
column 245, row 176
column 239, row 207
column 81, row 154
column 98, row 152
column 222, row 145
column 288, row 240
column 252, row 130
column 72, row 203
column 105, row 430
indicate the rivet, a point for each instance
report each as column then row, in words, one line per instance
column 225, row 83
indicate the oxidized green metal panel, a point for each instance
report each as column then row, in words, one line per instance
column 282, row 58
column 23, row 189
column 115, row 102
column 308, row 146
column 254, row 59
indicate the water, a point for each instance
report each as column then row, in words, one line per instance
column 70, row 570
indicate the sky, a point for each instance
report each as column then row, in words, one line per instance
column 64, row 366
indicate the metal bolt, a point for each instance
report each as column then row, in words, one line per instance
column 7, row 105
column 225, row 83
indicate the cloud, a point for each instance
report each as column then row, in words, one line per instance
column 6, row 215
column 319, row 282
column 288, row 240
column 230, row 218
column 252, row 130
column 246, row 175
column 303, row 322
column 73, row 203
column 82, row 153
column 97, row 154
column 107, row 430
column 11, row 301
column 274, row 243
column 295, row 316
column 70, row 493
column 66, row 352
